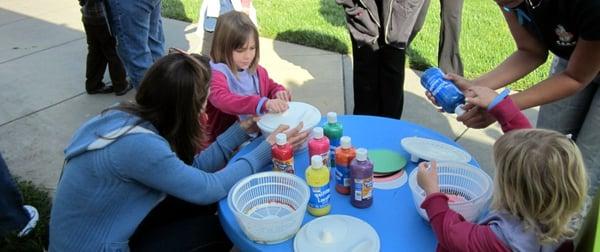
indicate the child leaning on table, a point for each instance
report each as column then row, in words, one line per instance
column 239, row 87
column 540, row 184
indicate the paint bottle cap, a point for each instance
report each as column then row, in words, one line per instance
column 345, row 142
column 331, row 117
column 361, row 154
column 281, row 139
column 316, row 162
column 318, row 132
column 459, row 110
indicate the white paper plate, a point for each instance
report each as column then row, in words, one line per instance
column 428, row 149
column 336, row 233
column 296, row 113
column 391, row 184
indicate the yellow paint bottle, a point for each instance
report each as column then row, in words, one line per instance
column 317, row 178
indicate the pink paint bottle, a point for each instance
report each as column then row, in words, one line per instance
column 361, row 180
column 319, row 145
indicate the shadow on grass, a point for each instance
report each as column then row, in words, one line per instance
column 175, row 10
column 416, row 60
column 37, row 240
column 332, row 12
column 313, row 39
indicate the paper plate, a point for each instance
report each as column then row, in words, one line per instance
column 391, row 182
column 428, row 149
column 386, row 161
column 336, row 233
column 296, row 113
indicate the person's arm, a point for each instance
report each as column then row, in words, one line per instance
column 500, row 106
column 453, row 232
column 272, row 87
column 216, row 155
column 530, row 54
column 583, row 67
column 148, row 159
column 223, row 99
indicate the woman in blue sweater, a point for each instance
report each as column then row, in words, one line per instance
column 122, row 164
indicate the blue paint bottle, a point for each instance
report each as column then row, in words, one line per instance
column 445, row 92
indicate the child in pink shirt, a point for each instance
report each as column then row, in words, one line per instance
column 540, row 184
column 239, row 86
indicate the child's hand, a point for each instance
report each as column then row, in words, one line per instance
column 276, row 105
column 283, row 95
column 480, row 96
column 249, row 125
column 427, row 177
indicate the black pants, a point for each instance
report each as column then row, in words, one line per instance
column 378, row 80
column 102, row 52
column 448, row 48
column 176, row 225
column 13, row 217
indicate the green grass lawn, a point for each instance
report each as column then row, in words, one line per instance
column 485, row 40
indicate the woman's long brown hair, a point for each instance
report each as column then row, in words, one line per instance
column 171, row 96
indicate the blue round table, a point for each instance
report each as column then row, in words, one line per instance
column 392, row 215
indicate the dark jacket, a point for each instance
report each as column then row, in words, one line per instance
column 364, row 22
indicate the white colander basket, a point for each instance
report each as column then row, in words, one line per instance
column 461, row 179
column 269, row 206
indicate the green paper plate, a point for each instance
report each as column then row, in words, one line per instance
column 386, row 161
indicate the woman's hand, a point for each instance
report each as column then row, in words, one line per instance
column 294, row 136
column 276, row 105
column 460, row 82
column 427, row 177
column 480, row 96
column 283, row 95
column 249, row 125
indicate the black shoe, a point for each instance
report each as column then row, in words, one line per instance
column 101, row 90
column 124, row 91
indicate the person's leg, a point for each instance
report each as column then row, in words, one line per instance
column 116, row 69
column 207, row 43
column 449, row 52
column 13, row 217
column 130, row 24
column 176, row 225
column 156, row 39
column 95, row 62
column 365, row 80
column 420, row 21
column 391, row 81
column 588, row 139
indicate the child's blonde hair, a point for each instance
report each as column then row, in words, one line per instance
column 233, row 30
column 541, row 178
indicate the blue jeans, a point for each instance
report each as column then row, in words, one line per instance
column 13, row 217
column 137, row 26
column 579, row 115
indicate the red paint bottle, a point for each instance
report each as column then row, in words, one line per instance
column 283, row 155
column 319, row 145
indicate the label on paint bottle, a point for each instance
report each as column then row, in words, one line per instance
column 363, row 189
column 319, row 196
column 342, row 175
column 284, row 165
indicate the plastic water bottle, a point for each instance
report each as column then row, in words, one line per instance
column 445, row 92
column 343, row 156
column 319, row 145
column 317, row 178
column 361, row 180
column 283, row 154
column 334, row 131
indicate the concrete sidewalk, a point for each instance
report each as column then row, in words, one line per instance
column 43, row 99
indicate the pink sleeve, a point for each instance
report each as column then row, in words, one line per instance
column 223, row 99
column 509, row 115
column 453, row 232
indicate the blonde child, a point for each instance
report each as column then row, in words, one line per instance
column 239, row 86
column 540, row 184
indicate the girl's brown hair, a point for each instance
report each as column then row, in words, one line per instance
column 540, row 178
column 171, row 96
column 233, row 30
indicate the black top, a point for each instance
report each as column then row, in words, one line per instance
column 558, row 24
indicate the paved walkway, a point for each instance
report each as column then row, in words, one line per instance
column 43, row 100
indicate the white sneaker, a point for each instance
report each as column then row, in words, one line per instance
column 34, row 216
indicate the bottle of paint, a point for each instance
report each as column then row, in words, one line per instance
column 361, row 180
column 343, row 156
column 445, row 92
column 334, row 131
column 283, row 154
column 319, row 145
column 317, row 178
